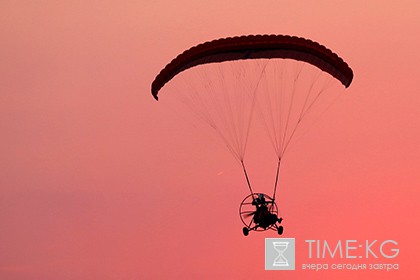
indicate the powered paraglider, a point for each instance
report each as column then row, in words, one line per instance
column 281, row 79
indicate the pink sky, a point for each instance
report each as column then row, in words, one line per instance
column 98, row 181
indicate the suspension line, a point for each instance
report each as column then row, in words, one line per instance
column 277, row 179
column 247, row 179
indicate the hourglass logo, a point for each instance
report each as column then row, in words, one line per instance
column 280, row 254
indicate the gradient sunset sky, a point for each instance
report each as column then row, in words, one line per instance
column 98, row 181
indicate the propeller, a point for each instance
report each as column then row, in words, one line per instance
column 249, row 214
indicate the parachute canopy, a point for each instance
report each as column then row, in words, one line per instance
column 285, row 81
column 256, row 47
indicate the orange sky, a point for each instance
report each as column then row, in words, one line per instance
column 98, row 181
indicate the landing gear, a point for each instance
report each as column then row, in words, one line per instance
column 280, row 230
column 245, row 231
